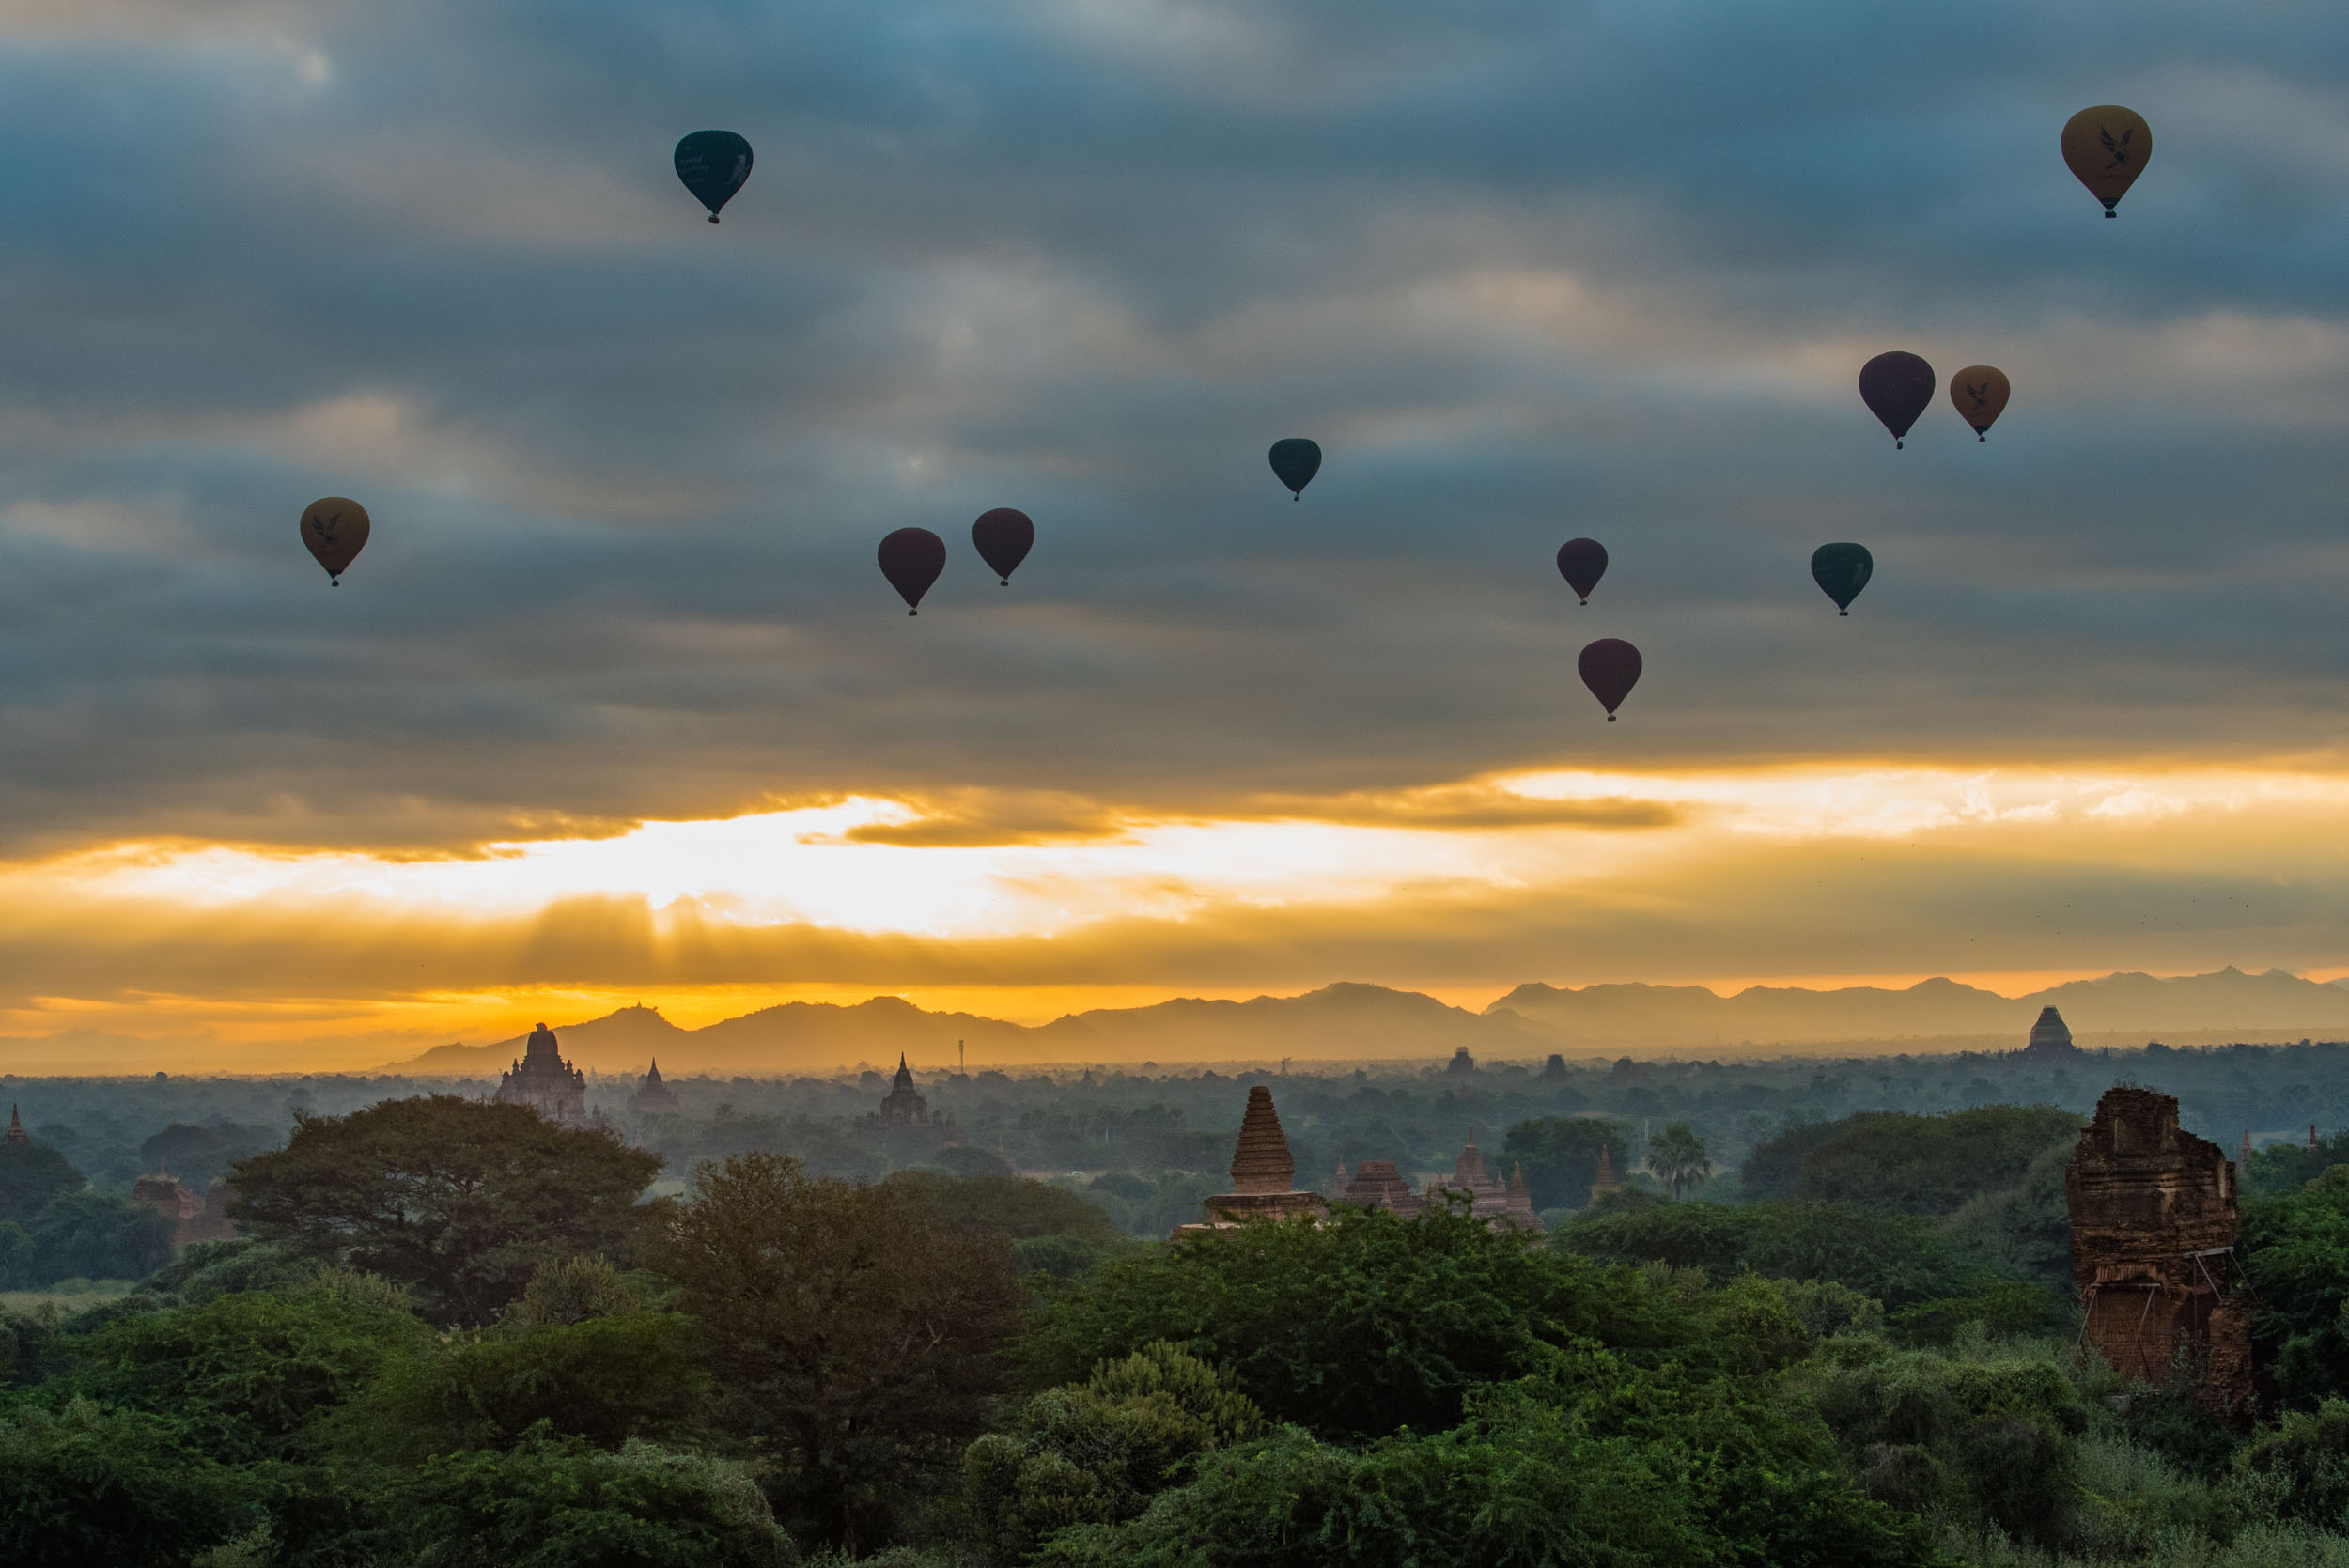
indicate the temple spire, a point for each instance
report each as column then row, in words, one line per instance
column 16, row 1128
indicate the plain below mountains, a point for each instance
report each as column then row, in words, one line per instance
column 1371, row 1022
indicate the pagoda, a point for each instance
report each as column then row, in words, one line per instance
column 545, row 1082
column 1263, row 1173
column 652, row 1093
column 16, row 1130
column 2050, row 1036
column 1605, row 1180
column 1488, row 1196
column 1378, row 1184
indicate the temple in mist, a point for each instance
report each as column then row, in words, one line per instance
column 652, row 1095
column 545, row 1082
column 2050, row 1036
column 1264, row 1173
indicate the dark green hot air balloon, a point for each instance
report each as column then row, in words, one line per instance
column 1295, row 460
column 713, row 164
column 1842, row 570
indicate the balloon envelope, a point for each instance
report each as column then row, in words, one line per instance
column 713, row 164
column 335, row 529
column 911, row 558
column 1295, row 460
column 1610, row 668
column 1979, row 393
column 2105, row 148
column 1582, row 563
column 1004, row 537
column 1897, row 387
column 1842, row 570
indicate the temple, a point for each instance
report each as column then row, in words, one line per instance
column 545, row 1082
column 1263, row 1173
column 652, row 1093
column 1502, row 1205
column 192, row 1218
column 2153, row 1212
column 2049, row 1036
column 904, row 1107
column 1378, row 1184
column 1605, row 1181
column 16, row 1133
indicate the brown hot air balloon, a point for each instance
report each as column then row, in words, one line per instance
column 1610, row 668
column 1979, row 393
column 335, row 529
column 2106, row 149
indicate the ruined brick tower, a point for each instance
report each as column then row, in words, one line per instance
column 2153, row 1248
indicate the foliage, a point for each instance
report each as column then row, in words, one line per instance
column 459, row 1197
column 1918, row 1164
column 2281, row 1168
column 848, row 1332
column 93, row 1236
column 1898, row 1259
column 2294, row 1252
column 1676, row 1157
column 83, row 1485
column 1096, row 1452
column 1561, row 1156
column 1358, row 1325
column 2308, row 1455
column 241, row 1377
column 30, row 1176
column 558, row 1503
column 1640, row 1473
column 1009, row 1206
column 195, row 1154
column 572, row 1290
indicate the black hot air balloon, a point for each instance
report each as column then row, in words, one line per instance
column 1004, row 537
column 1843, row 570
column 1610, row 668
column 1295, row 460
column 713, row 164
column 1582, row 563
column 1897, row 387
column 335, row 527
column 911, row 558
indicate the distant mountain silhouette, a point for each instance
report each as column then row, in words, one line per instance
column 1352, row 1020
column 1650, row 1016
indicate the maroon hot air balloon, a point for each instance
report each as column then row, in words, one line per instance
column 1610, row 668
column 1897, row 387
column 1004, row 537
column 1582, row 563
column 911, row 558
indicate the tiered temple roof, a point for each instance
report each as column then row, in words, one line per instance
column 652, row 1093
column 1605, row 1181
column 1263, row 1172
column 2049, row 1036
column 545, row 1082
column 16, row 1133
column 1378, row 1184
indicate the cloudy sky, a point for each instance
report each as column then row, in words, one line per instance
column 617, row 706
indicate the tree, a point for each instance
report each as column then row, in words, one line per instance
column 93, row 1236
column 1932, row 1164
column 460, row 1198
column 1561, row 1156
column 849, row 1335
column 1097, row 1452
column 30, row 1176
column 1675, row 1157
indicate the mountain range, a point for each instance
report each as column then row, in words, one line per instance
column 1352, row 1021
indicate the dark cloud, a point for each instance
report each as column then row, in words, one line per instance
column 1527, row 270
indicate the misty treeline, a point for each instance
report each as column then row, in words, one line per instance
column 456, row 1334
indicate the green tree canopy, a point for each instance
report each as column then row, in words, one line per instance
column 1921, row 1164
column 30, row 1176
column 460, row 1198
column 96, row 1235
column 2295, row 1251
column 1561, row 1156
column 848, row 1332
column 1676, row 1157
column 1010, row 1206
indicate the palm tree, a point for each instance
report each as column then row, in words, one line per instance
column 1675, row 1157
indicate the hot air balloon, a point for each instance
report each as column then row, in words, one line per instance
column 713, row 164
column 335, row 529
column 2106, row 149
column 1004, row 537
column 1979, row 393
column 1582, row 563
column 1897, row 387
column 1610, row 668
column 911, row 558
column 1843, row 570
column 1295, row 460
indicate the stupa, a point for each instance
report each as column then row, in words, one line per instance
column 1605, row 1181
column 1263, row 1173
column 2049, row 1036
column 545, row 1082
column 653, row 1095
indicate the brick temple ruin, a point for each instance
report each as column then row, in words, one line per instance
column 2152, row 1213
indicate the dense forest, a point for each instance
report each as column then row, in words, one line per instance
column 759, row 1330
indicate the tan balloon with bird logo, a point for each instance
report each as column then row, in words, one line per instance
column 2105, row 148
column 1979, row 393
column 335, row 527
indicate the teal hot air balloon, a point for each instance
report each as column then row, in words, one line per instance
column 713, row 164
column 1295, row 460
column 1842, row 570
